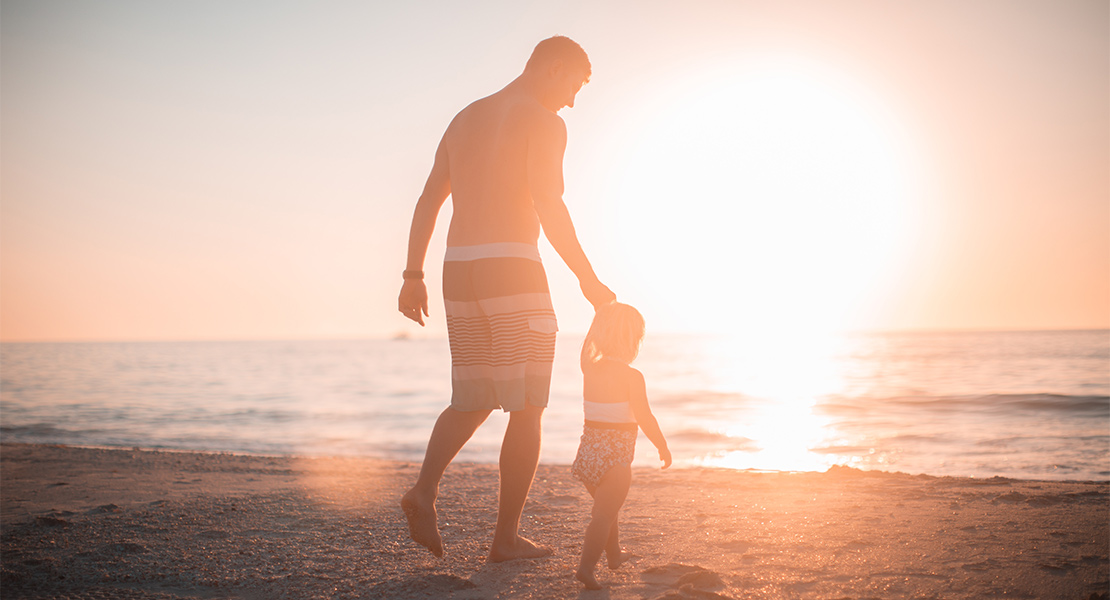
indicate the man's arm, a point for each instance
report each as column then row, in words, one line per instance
column 413, row 300
column 546, row 146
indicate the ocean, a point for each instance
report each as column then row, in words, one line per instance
column 1030, row 405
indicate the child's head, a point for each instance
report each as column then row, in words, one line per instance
column 616, row 333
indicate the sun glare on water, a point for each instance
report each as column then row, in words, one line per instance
column 772, row 202
column 785, row 377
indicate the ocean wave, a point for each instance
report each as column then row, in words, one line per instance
column 38, row 431
column 1046, row 403
column 702, row 440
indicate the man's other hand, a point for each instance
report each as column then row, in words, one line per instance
column 413, row 300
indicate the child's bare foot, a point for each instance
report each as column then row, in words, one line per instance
column 522, row 547
column 615, row 561
column 587, row 578
column 423, row 526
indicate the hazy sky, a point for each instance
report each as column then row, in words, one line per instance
column 237, row 170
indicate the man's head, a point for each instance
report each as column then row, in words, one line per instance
column 561, row 66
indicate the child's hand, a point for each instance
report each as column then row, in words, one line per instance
column 665, row 456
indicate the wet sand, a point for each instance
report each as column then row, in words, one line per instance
column 94, row 523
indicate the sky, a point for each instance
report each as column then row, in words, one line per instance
column 247, row 170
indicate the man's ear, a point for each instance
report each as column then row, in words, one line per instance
column 556, row 67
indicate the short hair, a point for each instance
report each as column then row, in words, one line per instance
column 616, row 333
column 559, row 48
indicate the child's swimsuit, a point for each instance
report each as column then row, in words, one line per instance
column 608, row 440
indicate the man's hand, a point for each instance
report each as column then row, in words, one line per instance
column 597, row 293
column 413, row 300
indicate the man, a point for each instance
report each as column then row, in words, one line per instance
column 501, row 161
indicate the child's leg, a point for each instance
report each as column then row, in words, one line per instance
column 608, row 499
column 613, row 544
column 613, row 553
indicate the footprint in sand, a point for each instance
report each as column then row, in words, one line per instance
column 1011, row 498
column 536, row 507
column 1046, row 500
column 213, row 534
column 681, row 576
column 735, row 546
column 125, row 548
column 433, row 586
column 51, row 521
column 702, row 580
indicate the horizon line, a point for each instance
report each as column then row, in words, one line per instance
column 406, row 336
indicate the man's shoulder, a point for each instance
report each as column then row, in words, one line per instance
column 542, row 122
column 520, row 112
column 523, row 107
column 471, row 110
column 537, row 111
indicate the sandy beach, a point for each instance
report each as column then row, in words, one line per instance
column 107, row 523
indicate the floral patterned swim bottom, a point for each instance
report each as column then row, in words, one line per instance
column 601, row 450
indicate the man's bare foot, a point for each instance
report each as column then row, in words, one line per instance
column 587, row 578
column 616, row 562
column 423, row 525
column 521, row 548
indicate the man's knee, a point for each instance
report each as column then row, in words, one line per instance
column 529, row 416
column 455, row 415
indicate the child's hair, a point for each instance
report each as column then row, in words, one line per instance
column 616, row 333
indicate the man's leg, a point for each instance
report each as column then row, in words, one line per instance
column 520, row 453
column 451, row 432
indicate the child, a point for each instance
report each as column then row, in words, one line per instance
column 615, row 403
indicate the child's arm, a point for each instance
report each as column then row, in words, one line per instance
column 645, row 418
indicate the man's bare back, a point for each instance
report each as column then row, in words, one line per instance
column 487, row 148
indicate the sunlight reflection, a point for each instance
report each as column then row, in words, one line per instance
column 788, row 375
column 784, row 433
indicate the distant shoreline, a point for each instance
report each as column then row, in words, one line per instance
column 409, row 336
column 709, row 468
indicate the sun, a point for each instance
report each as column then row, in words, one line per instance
column 768, row 195
column 772, row 201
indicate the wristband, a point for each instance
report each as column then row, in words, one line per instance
column 413, row 275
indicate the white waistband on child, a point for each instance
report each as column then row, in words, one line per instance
column 608, row 412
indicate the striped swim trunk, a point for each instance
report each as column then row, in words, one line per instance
column 500, row 324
